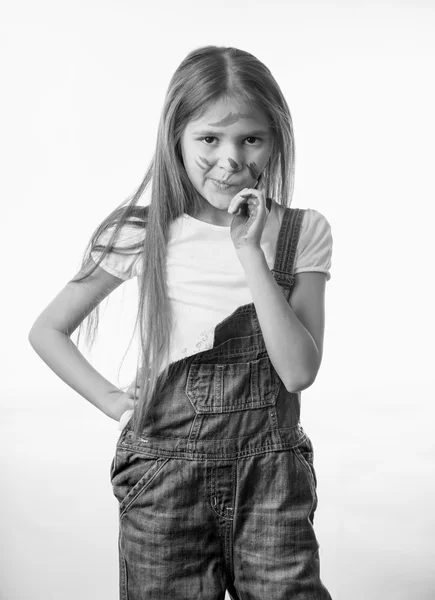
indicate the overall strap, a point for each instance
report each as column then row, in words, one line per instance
column 286, row 248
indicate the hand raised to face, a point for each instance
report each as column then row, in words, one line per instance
column 250, row 212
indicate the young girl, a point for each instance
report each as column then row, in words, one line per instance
column 213, row 471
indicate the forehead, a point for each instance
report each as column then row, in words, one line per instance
column 227, row 113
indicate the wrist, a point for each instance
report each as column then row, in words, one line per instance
column 113, row 406
column 250, row 254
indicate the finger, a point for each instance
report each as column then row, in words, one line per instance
column 261, row 185
column 133, row 390
column 239, row 199
column 249, row 196
column 140, row 377
column 131, row 403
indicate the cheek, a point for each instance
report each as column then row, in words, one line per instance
column 254, row 170
column 202, row 162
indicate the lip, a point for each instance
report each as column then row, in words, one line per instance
column 223, row 183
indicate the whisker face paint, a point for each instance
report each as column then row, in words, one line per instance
column 253, row 170
column 202, row 162
column 221, row 166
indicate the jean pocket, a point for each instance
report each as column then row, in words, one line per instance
column 131, row 473
column 230, row 387
column 305, row 454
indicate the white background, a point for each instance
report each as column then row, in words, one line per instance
column 82, row 88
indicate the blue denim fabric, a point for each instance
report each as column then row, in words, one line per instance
column 219, row 492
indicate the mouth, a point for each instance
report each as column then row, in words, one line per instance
column 223, row 185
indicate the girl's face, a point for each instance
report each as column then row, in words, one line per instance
column 227, row 145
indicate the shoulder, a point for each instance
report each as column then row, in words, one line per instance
column 313, row 220
column 314, row 247
column 117, row 249
column 315, row 229
column 130, row 234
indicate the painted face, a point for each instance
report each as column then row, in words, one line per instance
column 227, row 144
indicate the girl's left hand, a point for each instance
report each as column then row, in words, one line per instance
column 250, row 215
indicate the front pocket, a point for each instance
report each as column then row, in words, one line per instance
column 229, row 387
column 131, row 474
column 305, row 453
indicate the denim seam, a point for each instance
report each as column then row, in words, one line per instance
column 223, row 353
column 243, row 310
column 164, row 437
column 143, row 487
column 229, row 547
column 193, row 433
column 307, row 467
column 274, row 423
column 213, row 495
column 123, row 582
column 191, row 455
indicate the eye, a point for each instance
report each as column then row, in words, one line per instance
column 208, row 137
column 212, row 137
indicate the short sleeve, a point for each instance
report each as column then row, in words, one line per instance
column 314, row 249
column 121, row 261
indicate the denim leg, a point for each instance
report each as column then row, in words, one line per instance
column 275, row 550
column 169, row 541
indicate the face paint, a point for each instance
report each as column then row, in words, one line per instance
column 230, row 120
column 253, row 170
column 233, row 163
column 202, row 162
column 228, row 124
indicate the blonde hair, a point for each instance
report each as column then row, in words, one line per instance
column 206, row 75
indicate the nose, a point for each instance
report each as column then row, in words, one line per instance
column 230, row 165
column 231, row 160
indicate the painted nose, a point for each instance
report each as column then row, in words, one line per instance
column 231, row 165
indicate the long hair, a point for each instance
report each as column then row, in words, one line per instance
column 206, row 75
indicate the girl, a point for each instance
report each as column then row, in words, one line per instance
column 213, row 471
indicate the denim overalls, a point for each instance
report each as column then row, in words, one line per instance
column 219, row 493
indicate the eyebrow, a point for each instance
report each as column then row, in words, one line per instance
column 213, row 132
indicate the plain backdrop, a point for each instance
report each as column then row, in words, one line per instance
column 82, row 86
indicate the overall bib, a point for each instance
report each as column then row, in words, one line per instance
column 219, row 492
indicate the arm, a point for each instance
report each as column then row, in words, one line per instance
column 293, row 333
column 50, row 338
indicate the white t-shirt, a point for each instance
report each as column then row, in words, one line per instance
column 206, row 281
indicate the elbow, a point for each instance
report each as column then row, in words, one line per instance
column 40, row 335
column 33, row 337
column 295, row 387
column 303, row 380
